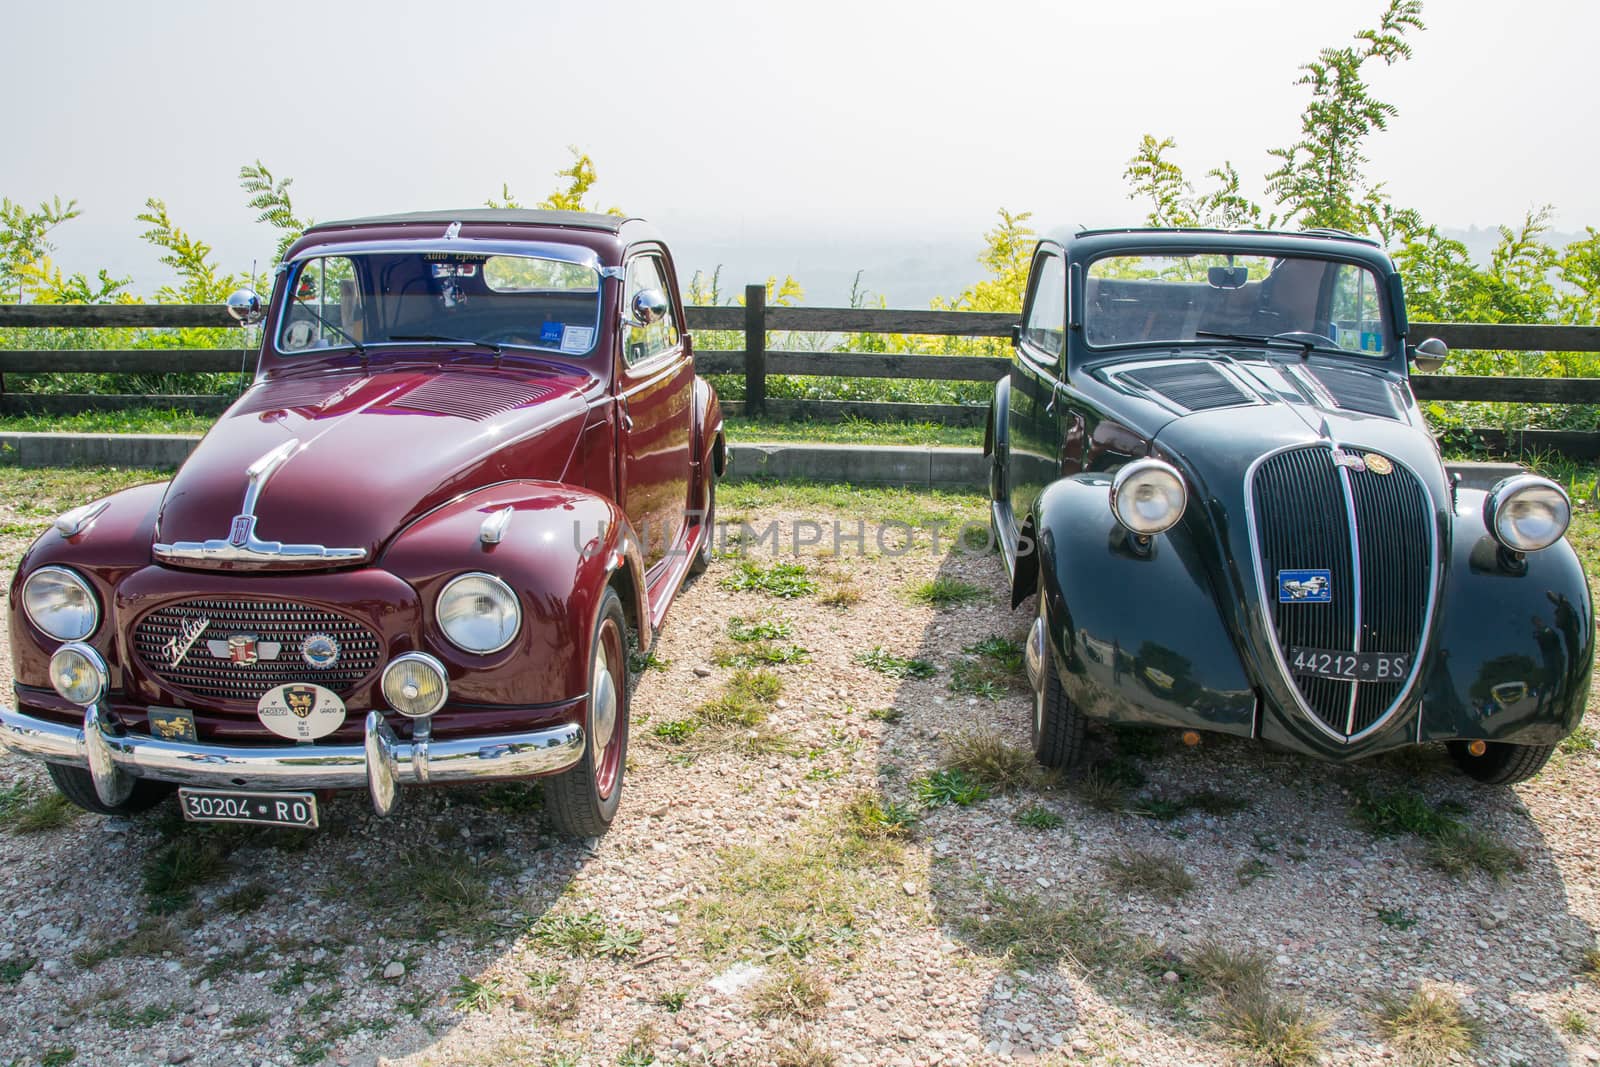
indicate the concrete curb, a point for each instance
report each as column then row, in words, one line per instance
column 890, row 465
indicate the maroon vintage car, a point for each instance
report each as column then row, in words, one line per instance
column 473, row 470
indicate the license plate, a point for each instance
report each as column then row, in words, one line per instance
column 1350, row 666
column 263, row 809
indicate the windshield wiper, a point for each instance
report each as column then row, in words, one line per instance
column 434, row 338
column 1306, row 342
column 357, row 345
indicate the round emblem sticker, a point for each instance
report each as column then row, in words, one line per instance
column 1378, row 464
column 300, row 712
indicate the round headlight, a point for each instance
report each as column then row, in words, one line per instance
column 78, row 674
column 415, row 684
column 60, row 603
column 1527, row 513
column 1148, row 496
column 479, row 612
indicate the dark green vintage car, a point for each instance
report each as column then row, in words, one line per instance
column 1208, row 463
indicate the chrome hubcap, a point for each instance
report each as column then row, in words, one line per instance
column 1033, row 654
column 603, row 696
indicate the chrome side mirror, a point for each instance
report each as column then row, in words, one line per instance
column 1430, row 355
column 245, row 306
column 649, row 307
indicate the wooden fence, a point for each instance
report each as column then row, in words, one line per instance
column 755, row 320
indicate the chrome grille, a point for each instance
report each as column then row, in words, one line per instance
column 1310, row 514
column 284, row 622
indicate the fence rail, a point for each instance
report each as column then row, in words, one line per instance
column 755, row 321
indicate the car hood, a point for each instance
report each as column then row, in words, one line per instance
column 369, row 454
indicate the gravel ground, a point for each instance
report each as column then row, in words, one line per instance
column 460, row 932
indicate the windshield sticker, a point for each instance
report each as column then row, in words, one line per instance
column 576, row 338
column 550, row 333
column 1305, row 587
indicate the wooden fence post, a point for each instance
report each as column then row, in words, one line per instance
column 755, row 349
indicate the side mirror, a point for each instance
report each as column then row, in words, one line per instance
column 649, row 307
column 245, row 306
column 1430, row 355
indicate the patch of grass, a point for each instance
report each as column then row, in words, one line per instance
column 1210, row 801
column 841, row 593
column 890, row 714
column 425, row 891
column 1225, row 969
column 803, row 1050
column 175, row 870
column 121, row 1017
column 873, row 816
column 14, row 967
column 49, row 811
column 302, row 972
column 791, row 992
column 984, row 756
column 1396, row 918
column 1452, row 845
column 786, row 581
column 883, row 661
column 245, row 899
column 1574, row 1023
column 478, row 994
column 1582, row 741
column 1135, row 871
column 1107, row 783
column 1032, row 932
column 1269, row 1030
column 746, row 700
column 913, row 507
column 1429, row 1028
column 852, row 431
column 675, row 731
column 763, row 628
column 250, row 1020
column 949, row 787
column 806, row 894
column 760, row 654
column 1251, row 871
column 586, row 934
column 944, row 592
column 59, row 1056
column 672, row 1002
column 639, row 662
column 1038, row 817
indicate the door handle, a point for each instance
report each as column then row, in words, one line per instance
column 623, row 418
column 1050, row 408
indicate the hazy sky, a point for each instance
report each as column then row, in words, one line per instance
column 771, row 126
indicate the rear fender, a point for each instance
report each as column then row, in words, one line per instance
column 1514, row 645
column 710, row 448
column 561, row 548
column 1136, row 633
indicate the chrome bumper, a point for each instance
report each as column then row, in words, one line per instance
column 382, row 763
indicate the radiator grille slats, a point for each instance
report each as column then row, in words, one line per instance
column 1303, row 521
column 284, row 623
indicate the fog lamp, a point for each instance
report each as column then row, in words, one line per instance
column 415, row 684
column 78, row 674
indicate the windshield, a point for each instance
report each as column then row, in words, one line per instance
column 492, row 301
column 1150, row 299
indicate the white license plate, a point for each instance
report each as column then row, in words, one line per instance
column 263, row 809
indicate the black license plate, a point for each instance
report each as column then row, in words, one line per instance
column 263, row 809
column 1349, row 666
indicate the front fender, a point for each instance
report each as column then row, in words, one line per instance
column 711, row 449
column 1514, row 645
column 1136, row 634
column 560, row 550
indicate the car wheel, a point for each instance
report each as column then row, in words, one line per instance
column 583, row 800
column 702, row 556
column 1501, row 764
column 76, row 785
column 1058, row 724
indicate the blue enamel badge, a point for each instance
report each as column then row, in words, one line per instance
column 1305, row 587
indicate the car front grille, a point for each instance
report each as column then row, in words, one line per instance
column 1374, row 534
column 160, row 636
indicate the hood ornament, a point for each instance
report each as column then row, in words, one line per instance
column 241, row 545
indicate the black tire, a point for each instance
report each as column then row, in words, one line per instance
column 583, row 799
column 702, row 557
column 76, row 785
column 1058, row 723
column 1502, row 764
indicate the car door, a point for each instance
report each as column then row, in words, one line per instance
column 655, row 399
column 1033, row 416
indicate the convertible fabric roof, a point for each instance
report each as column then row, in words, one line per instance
column 581, row 220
